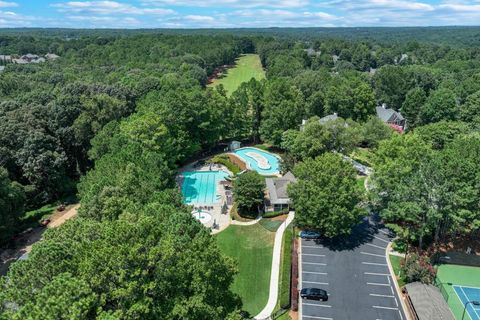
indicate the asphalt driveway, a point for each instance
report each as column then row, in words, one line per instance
column 354, row 272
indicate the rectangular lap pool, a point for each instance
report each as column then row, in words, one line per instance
column 200, row 187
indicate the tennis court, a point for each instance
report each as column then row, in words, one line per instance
column 460, row 284
column 470, row 297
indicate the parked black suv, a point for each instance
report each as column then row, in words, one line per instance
column 314, row 294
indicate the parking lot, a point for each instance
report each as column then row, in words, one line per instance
column 355, row 274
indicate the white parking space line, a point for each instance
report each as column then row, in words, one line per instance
column 381, row 239
column 378, row 284
column 381, row 295
column 388, row 308
column 375, row 246
column 317, row 305
column 312, row 272
column 316, row 247
column 313, row 255
column 315, row 263
column 391, row 289
column 377, row 274
column 384, row 232
column 401, row 317
column 373, row 254
column 315, row 282
column 315, row 317
column 375, row 264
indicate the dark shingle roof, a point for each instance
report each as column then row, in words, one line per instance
column 428, row 302
column 388, row 115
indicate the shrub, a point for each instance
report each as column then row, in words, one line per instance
column 286, row 268
column 294, row 286
column 418, row 268
column 273, row 214
column 224, row 160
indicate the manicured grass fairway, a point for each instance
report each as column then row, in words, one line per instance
column 248, row 66
column 252, row 248
column 456, row 275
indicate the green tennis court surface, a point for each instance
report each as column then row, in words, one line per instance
column 458, row 285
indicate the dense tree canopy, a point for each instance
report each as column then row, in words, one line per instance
column 326, row 196
column 123, row 269
column 12, row 199
column 116, row 115
column 249, row 191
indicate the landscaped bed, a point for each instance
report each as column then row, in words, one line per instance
column 252, row 248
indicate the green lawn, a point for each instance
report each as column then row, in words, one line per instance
column 456, row 275
column 395, row 261
column 361, row 183
column 252, row 248
column 248, row 66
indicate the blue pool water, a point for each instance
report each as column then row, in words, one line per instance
column 200, row 187
column 252, row 164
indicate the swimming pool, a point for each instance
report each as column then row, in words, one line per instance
column 261, row 161
column 200, row 187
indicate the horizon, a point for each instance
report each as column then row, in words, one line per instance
column 236, row 14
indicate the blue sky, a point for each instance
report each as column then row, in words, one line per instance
column 236, row 13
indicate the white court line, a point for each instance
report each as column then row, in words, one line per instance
column 381, row 307
column 315, row 282
column 375, row 246
column 317, row 305
column 315, row 263
column 316, row 247
column 375, row 264
column 376, row 274
column 373, row 254
column 314, row 317
column 381, row 295
column 378, row 284
column 312, row 272
column 466, row 296
column 313, row 255
column 381, row 239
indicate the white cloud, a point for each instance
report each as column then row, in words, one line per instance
column 231, row 3
column 355, row 5
column 9, row 19
column 283, row 18
column 197, row 18
column 107, row 8
column 5, row 4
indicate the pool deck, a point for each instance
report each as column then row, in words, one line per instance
column 222, row 220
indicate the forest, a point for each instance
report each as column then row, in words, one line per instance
column 114, row 117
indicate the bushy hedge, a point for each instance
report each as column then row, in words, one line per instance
column 273, row 214
column 284, row 297
column 418, row 268
column 224, row 160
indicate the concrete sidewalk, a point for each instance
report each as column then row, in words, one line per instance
column 275, row 274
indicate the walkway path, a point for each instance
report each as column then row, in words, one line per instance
column 275, row 275
column 246, row 223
